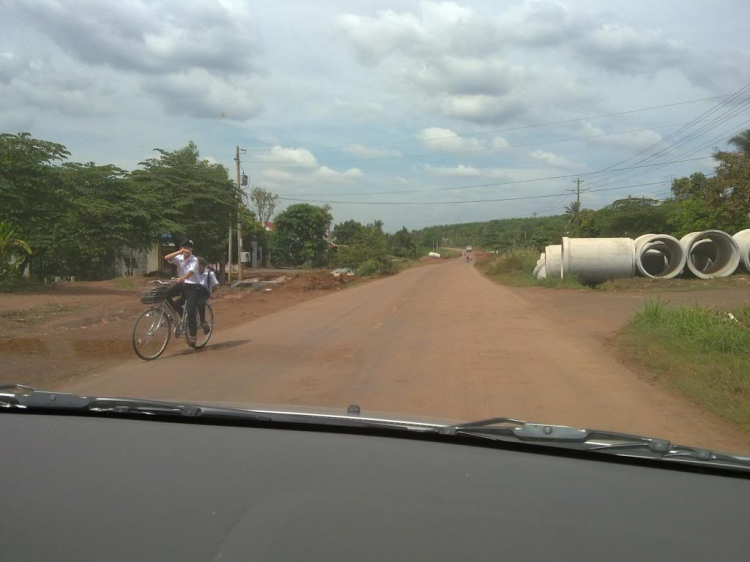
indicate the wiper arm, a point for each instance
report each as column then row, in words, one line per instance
column 22, row 397
column 26, row 397
column 510, row 429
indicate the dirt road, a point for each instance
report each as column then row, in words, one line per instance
column 439, row 341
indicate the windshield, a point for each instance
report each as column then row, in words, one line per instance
column 535, row 210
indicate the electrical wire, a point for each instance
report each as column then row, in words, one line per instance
column 462, row 202
column 496, row 131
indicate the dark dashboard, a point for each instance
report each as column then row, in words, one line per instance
column 87, row 488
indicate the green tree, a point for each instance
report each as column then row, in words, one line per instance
column 696, row 186
column 264, row 203
column 347, row 231
column 300, row 235
column 742, row 142
column 10, row 248
column 402, row 244
column 27, row 187
column 195, row 198
column 101, row 216
column 367, row 252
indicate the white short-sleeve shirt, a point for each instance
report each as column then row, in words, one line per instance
column 185, row 264
column 209, row 280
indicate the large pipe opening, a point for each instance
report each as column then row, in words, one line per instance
column 659, row 256
column 711, row 253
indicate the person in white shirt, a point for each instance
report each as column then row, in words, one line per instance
column 208, row 282
column 187, row 284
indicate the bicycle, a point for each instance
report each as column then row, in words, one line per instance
column 154, row 326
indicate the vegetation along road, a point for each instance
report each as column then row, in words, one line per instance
column 440, row 341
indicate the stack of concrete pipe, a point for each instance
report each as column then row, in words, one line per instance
column 707, row 254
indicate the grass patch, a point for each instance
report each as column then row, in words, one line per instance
column 702, row 352
column 21, row 285
column 681, row 284
column 515, row 268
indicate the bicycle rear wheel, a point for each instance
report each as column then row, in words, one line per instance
column 151, row 333
column 202, row 337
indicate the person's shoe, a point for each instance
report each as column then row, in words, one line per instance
column 206, row 327
column 191, row 341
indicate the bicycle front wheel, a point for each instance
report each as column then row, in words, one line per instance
column 203, row 336
column 151, row 333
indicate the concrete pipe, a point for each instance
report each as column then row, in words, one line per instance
column 743, row 241
column 593, row 260
column 711, row 253
column 659, row 256
column 553, row 259
column 540, row 270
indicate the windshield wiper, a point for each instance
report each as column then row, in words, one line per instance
column 26, row 398
column 509, row 429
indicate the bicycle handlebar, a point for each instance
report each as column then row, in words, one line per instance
column 160, row 282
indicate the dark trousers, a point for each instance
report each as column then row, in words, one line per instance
column 189, row 296
column 203, row 295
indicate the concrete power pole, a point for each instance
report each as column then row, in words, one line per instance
column 229, row 254
column 239, row 217
column 578, row 183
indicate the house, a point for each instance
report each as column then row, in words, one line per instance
column 268, row 226
column 141, row 263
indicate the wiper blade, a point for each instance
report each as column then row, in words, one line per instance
column 510, row 429
column 27, row 398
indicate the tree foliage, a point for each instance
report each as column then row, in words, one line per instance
column 79, row 218
column 264, row 203
column 299, row 235
column 194, row 198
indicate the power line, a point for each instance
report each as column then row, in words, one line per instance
column 495, row 131
column 285, row 163
column 727, row 100
column 723, row 136
column 459, row 202
column 494, row 184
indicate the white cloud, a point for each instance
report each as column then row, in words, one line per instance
column 297, row 157
column 460, row 171
column 324, row 172
column 438, row 139
column 499, row 143
column 150, row 37
column 473, row 64
column 557, row 161
column 199, row 94
column 277, row 175
column 463, row 171
column 636, row 140
column 371, row 152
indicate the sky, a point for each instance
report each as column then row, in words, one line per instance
column 414, row 113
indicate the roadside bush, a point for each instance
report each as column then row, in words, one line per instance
column 368, row 268
column 516, row 268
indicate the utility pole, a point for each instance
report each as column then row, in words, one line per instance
column 229, row 256
column 578, row 183
column 239, row 216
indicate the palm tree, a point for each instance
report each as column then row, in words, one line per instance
column 573, row 210
column 9, row 244
column 742, row 141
